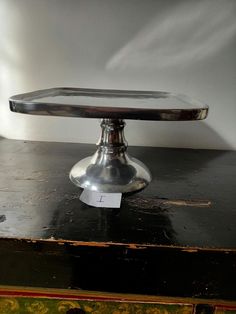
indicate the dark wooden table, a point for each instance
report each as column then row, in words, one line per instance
column 174, row 243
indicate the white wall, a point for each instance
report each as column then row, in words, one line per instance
column 181, row 46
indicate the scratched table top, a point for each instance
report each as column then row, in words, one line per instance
column 190, row 201
column 181, row 229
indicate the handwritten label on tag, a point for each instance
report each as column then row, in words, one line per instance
column 98, row 199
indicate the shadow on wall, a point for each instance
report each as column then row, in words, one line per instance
column 192, row 134
column 187, row 134
column 191, row 30
column 174, row 35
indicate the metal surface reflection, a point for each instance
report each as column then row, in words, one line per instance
column 111, row 169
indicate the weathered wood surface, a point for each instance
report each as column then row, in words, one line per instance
column 175, row 238
column 190, row 202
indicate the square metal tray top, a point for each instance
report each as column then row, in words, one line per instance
column 112, row 104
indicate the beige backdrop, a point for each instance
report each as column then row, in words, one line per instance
column 181, row 46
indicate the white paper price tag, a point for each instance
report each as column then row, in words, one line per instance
column 98, row 199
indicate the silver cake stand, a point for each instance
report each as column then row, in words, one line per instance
column 110, row 169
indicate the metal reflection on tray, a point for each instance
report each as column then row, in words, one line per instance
column 110, row 169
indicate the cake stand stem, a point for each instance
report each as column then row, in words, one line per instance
column 111, row 169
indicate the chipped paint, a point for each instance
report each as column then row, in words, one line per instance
column 163, row 204
column 124, row 245
column 196, row 203
column 190, row 250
